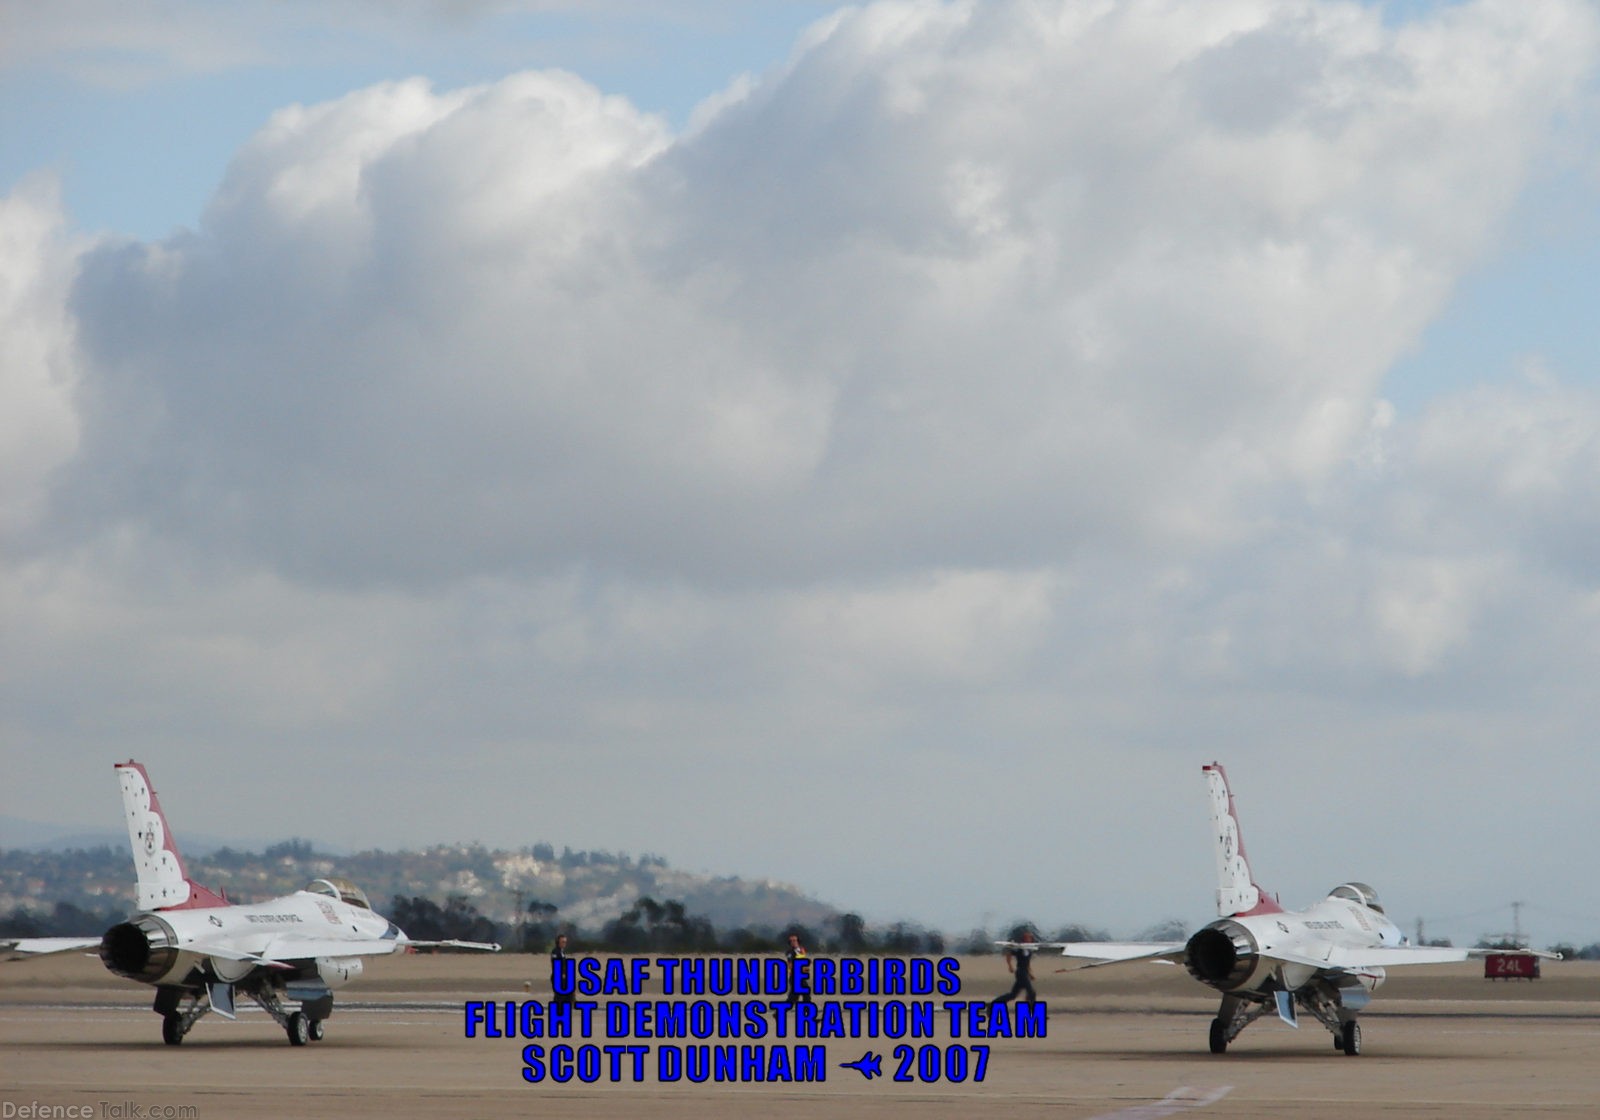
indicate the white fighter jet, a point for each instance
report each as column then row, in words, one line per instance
column 1325, row 960
column 200, row 950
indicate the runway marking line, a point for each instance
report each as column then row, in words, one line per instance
column 1181, row 1099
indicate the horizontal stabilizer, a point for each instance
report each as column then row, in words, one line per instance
column 1116, row 952
column 24, row 948
column 1102, row 953
column 1149, row 958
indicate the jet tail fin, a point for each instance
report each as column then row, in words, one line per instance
column 1237, row 891
column 163, row 883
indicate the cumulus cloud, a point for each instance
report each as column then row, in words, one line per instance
column 961, row 283
column 38, row 428
column 987, row 374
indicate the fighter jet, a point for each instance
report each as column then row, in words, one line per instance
column 1325, row 960
column 201, row 951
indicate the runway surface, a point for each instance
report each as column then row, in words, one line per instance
column 1128, row 1043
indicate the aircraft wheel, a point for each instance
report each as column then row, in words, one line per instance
column 1338, row 1041
column 172, row 1028
column 1350, row 1038
column 316, row 1030
column 299, row 1029
column 1219, row 1037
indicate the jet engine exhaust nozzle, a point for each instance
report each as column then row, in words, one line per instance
column 1223, row 955
column 143, row 949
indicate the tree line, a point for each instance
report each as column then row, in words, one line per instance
column 649, row 926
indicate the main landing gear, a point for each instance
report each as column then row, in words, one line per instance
column 300, row 1026
column 1332, row 1013
column 181, row 1009
column 1349, row 1038
column 1236, row 1014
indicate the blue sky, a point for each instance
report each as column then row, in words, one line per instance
column 141, row 138
column 1017, row 403
column 1529, row 300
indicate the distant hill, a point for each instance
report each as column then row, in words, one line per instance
column 17, row 834
column 588, row 889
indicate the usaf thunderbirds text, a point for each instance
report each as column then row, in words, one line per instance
column 760, row 1034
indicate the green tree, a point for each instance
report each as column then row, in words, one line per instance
column 852, row 938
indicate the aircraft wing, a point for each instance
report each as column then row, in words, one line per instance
column 23, row 948
column 306, row 948
column 452, row 943
column 282, row 949
column 1394, row 957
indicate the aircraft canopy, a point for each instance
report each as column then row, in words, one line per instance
column 342, row 889
column 1358, row 892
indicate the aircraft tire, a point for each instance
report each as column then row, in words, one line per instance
column 315, row 1030
column 298, row 1030
column 1350, row 1038
column 1219, row 1037
column 172, row 1028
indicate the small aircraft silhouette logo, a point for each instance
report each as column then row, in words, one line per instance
column 867, row 1066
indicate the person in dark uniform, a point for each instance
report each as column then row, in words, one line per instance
column 1020, row 962
column 799, row 990
column 558, row 953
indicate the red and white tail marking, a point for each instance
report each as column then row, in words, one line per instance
column 1237, row 891
column 163, row 883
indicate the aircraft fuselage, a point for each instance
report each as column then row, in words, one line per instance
column 188, row 948
column 1285, row 950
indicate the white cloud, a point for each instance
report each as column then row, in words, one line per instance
column 121, row 47
column 949, row 267
column 1424, row 610
column 38, row 430
column 1509, row 468
column 991, row 376
column 965, row 628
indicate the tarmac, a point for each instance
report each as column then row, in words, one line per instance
column 1126, row 1043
